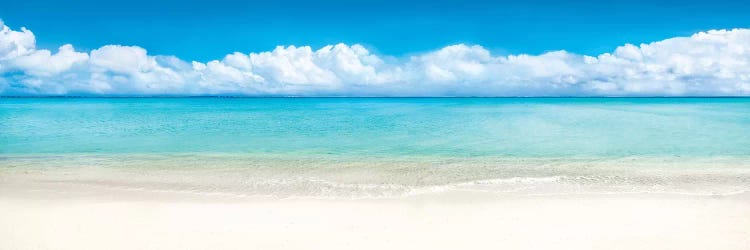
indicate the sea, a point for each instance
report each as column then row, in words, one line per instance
column 380, row 147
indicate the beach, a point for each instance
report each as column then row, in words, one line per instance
column 106, row 218
column 88, row 202
column 374, row 125
column 374, row 173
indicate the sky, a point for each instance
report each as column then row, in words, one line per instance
column 206, row 30
column 378, row 48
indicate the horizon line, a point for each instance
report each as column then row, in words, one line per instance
column 358, row 97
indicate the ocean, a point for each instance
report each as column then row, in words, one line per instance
column 377, row 147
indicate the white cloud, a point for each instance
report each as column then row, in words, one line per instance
column 715, row 62
column 15, row 43
column 42, row 63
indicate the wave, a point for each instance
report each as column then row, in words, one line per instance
column 378, row 178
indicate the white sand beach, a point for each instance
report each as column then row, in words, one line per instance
column 53, row 216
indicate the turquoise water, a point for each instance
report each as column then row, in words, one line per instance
column 464, row 127
column 358, row 147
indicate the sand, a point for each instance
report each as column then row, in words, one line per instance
column 81, row 217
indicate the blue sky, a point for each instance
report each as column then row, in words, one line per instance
column 205, row 30
column 375, row 48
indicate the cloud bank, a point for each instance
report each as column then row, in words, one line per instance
column 711, row 63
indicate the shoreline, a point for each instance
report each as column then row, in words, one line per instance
column 69, row 191
column 276, row 176
column 159, row 202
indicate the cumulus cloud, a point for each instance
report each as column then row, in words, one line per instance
column 711, row 63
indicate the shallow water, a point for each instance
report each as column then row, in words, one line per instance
column 380, row 146
column 521, row 127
